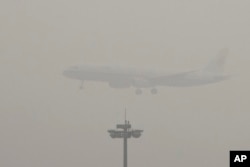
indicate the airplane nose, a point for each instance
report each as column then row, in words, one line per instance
column 70, row 72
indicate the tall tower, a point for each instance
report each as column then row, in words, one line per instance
column 125, row 133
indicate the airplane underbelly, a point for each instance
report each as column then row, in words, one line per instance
column 185, row 81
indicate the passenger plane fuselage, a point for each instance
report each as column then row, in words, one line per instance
column 118, row 77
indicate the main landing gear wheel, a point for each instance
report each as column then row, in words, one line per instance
column 81, row 86
column 153, row 91
column 138, row 91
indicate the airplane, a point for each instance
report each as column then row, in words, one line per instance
column 118, row 77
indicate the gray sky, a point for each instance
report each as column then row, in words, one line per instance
column 45, row 120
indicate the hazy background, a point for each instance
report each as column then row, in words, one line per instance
column 46, row 121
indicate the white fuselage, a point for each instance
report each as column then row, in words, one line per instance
column 122, row 78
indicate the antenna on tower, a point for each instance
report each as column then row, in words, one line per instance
column 125, row 115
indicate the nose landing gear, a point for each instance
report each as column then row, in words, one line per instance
column 81, row 86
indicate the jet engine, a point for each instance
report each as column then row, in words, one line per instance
column 141, row 83
column 119, row 84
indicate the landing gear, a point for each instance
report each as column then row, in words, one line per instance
column 138, row 91
column 153, row 91
column 81, row 86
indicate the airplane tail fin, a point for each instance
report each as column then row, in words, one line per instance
column 216, row 66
